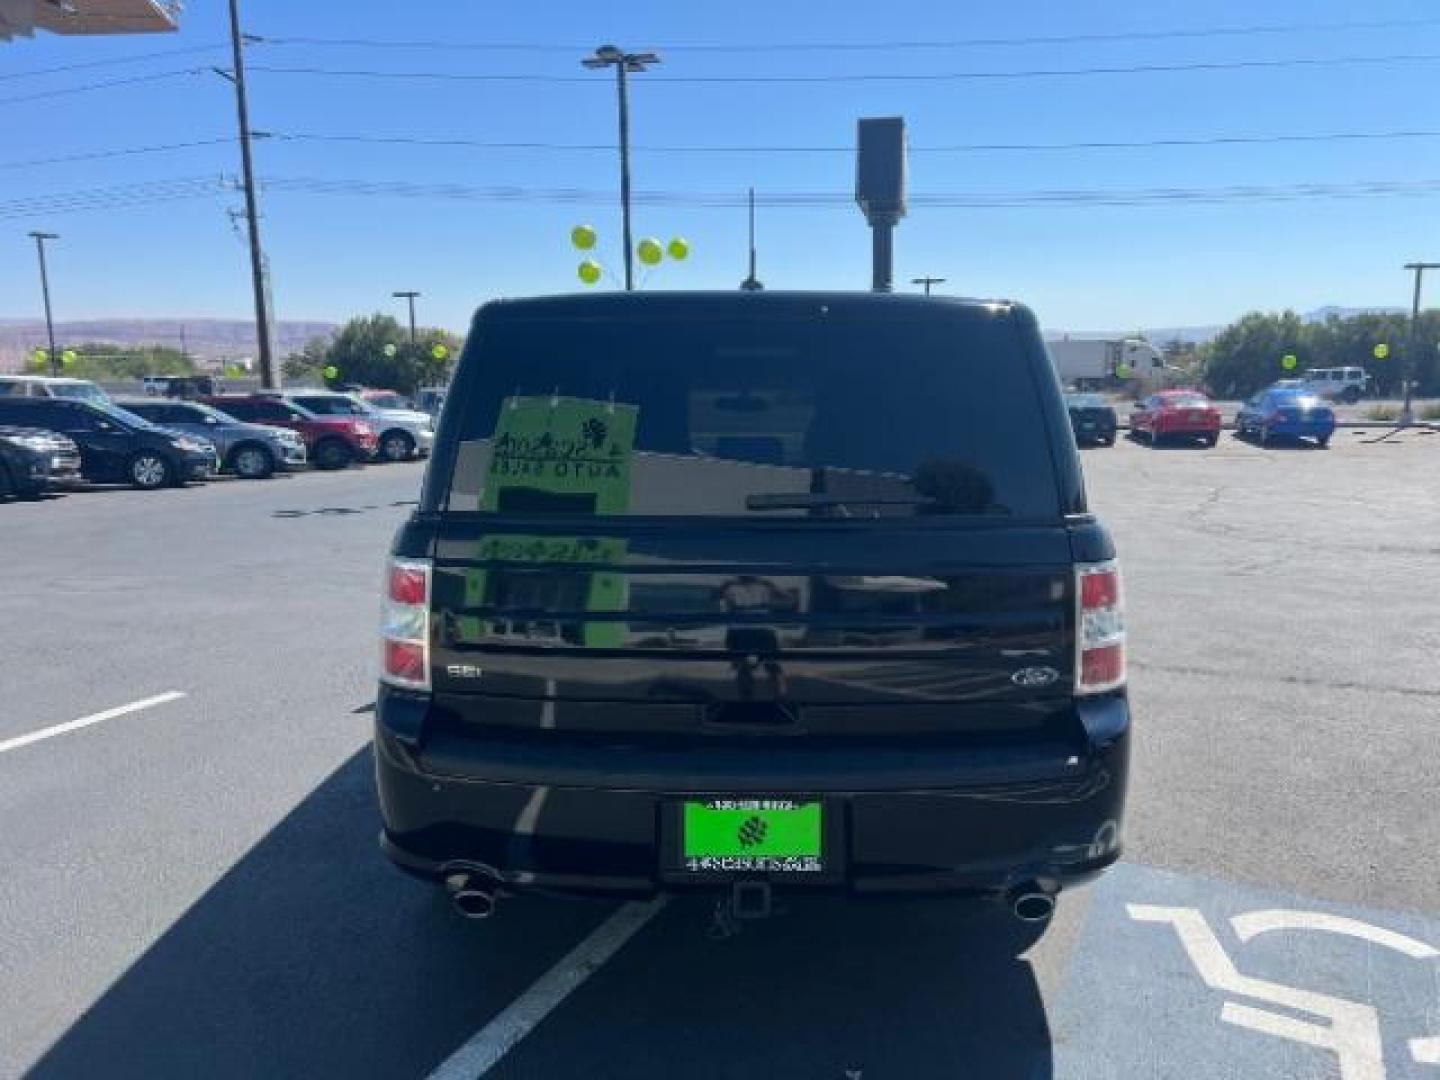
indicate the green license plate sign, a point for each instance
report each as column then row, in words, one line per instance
column 752, row 835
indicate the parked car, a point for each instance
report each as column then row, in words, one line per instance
column 51, row 386
column 181, row 386
column 385, row 399
column 116, row 446
column 1172, row 414
column 250, row 451
column 753, row 611
column 24, row 466
column 402, row 433
column 1347, row 384
column 1092, row 418
column 332, row 442
column 58, row 453
column 1286, row 414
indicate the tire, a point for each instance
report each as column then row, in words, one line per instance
column 396, row 445
column 1323, row 444
column 1108, row 440
column 1211, row 440
column 331, row 454
column 149, row 470
column 7, row 486
column 251, row 461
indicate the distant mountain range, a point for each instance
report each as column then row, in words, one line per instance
column 1196, row 335
column 209, row 340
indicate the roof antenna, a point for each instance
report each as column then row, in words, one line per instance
column 752, row 283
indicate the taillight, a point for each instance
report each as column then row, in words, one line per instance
column 1099, row 628
column 405, row 625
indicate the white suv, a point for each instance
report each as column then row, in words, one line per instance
column 51, row 386
column 1346, row 384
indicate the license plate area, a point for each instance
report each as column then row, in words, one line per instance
column 721, row 838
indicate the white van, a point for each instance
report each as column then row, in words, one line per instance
column 51, row 386
column 1347, row 384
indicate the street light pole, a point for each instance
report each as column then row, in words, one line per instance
column 1412, row 350
column 409, row 295
column 623, row 63
column 252, row 214
column 40, row 238
column 927, row 282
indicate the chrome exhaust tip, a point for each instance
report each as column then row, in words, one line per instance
column 472, row 895
column 1032, row 904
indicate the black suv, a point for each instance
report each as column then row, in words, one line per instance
column 744, row 591
column 115, row 446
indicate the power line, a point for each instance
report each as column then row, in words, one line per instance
column 905, row 76
column 128, row 151
column 953, row 148
column 881, row 46
column 107, row 84
column 114, row 61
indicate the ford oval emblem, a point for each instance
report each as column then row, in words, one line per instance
column 1034, row 677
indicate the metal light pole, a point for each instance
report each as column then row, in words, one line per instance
column 927, row 282
column 623, row 63
column 1412, row 350
column 40, row 238
column 409, row 295
column 252, row 214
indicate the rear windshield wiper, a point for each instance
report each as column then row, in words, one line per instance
column 807, row 500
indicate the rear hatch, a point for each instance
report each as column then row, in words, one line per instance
column 804, row 523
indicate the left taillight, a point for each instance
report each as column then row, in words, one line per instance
column 405, row 624
column 1099, row 628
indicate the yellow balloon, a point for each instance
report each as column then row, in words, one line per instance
column 583, row 237
column 650, row 251
column 389, row 348
column 1382, row 351
column 439, row 352
column 1289, row 361
column 68, row 356
column 331, row 371
column 678, row 248
column 589, row 271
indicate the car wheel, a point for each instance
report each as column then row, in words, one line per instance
column 7, row 486
column 251, row 461
column 1323, row 444
column 333, row 454
column 396, row 446
column 1211, row 440
column 149, row 470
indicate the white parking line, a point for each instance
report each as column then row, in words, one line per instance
column 86, row 721
column 487, row 1046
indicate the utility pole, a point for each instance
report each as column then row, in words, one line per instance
column 252, row 215
column 40, row 238
column 623, row 63
column 410, row 296
column 927, row 282
column 752, row 283
column 1412, row 350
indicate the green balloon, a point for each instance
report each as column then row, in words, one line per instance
column 650, row 252
column 583, row 237
column 40, row 356
column 68, row 356
column 439, row 352
column 1122, row 371
column 1288, row 361
column 331, row 371
column 678, row 248
column 1381, row 351
column 589, row 271
column 389, row 349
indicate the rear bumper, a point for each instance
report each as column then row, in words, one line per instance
column 580, row 817
column 1302, row 429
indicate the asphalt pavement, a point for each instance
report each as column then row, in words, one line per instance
column 192, row 887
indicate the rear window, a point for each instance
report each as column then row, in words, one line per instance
column 1188, row 401
column 938, row 413
column 1086, row 401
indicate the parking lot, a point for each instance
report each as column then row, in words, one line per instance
column 193, row 886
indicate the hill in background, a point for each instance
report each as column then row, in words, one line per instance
column 209, row 340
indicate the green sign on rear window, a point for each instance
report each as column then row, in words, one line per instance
column 768, row 835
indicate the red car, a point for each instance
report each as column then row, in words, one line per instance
column 333, row 442
column 1185, row 414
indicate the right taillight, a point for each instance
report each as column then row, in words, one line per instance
column 1099, row 628
column 405, row 625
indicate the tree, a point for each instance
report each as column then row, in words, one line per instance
column 105, row 361
column 376, row 351
column 1246, row 355
column 308, row 364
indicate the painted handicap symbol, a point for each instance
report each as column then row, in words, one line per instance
column 1353, row 1032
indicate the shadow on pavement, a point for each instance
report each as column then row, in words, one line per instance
column 830, row 989
column 313, row 957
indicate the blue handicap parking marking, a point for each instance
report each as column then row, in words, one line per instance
column 1182, row 976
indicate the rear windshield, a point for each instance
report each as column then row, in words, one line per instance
column 1188, row 401
column 933, row 414
column 1086, row 401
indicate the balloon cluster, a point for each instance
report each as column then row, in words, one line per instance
column 649, row 251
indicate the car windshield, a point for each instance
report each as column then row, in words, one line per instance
column 124, row 416
column 334, row 405
column 385, row 401
column 79, row 391
column 1086, row 401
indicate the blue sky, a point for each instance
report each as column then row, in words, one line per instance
column 1081, row 267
